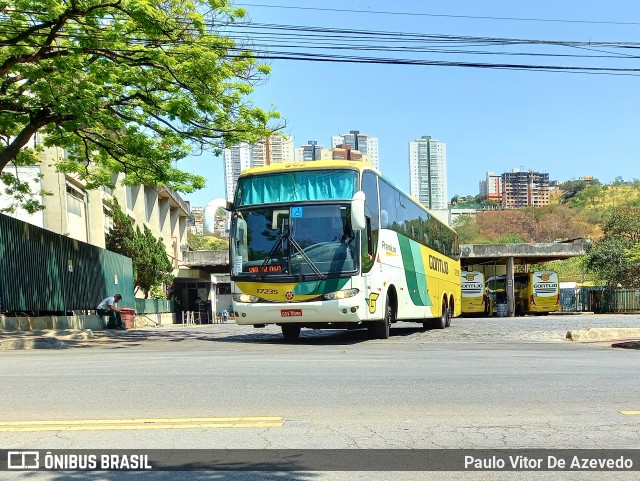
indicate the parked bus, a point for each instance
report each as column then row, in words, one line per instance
column 537, row 293
column 474, row 296
column 333, row 244
column 534, row 292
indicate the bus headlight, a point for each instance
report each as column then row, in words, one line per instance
column 245, row 298
column 333, row 296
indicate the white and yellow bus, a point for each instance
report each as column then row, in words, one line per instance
column 534, row 292
column 537, row 293
column 333, row 244
column 474, row 296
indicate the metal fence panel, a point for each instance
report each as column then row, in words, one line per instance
column 568, row 300
column 45, row 273
column 153, row 306
column 602, row 300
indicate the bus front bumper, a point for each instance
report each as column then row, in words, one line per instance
column 305, row 313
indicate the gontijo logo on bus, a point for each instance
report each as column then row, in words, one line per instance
column 547, row 282
column 470, row 277
column 544, row 283
column 438, row 265
column 390, row 250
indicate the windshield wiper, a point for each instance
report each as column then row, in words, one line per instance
column 276, row 247
column 306, row 258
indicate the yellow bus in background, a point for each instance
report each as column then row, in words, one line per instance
column 536, row 293
column 474, row 296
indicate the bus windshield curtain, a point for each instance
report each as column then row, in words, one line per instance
column 296, row 186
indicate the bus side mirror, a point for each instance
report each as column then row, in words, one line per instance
column 358, row 221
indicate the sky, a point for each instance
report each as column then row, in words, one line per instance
column 566, row 124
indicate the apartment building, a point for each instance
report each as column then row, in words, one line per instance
column 428, row 172
column 273, row 150
column 310, row 151
column 491, row 187
column 363, row 143
column 524, row 189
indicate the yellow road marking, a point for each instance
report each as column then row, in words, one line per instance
column 142, row 423
column 630, row 413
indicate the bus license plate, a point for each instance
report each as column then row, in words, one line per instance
column 291, row 313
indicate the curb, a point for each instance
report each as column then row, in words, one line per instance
column 32, row 343
column 627, row 345
column 42, row 339
column 604, row 334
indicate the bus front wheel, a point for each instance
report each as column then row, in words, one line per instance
column 381, row 329
column 291, row 332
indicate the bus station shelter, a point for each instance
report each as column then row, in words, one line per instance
column 504, row 257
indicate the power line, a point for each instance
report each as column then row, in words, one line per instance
column 418, row 14
column 269, row 40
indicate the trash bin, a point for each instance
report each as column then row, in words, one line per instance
column 127, row 314
column 502, row 310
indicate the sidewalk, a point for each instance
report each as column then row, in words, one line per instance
column 69, row 338
column 41, row 339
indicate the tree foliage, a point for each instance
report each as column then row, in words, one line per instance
column 615, row 259
column 151, row 264
column 126, row 86
column 199, row 242
column 624, row 223
column 542, row 224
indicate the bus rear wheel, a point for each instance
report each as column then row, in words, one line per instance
column 442, row 321
column 291, row 332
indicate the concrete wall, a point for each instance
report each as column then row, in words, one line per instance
column 91, row 321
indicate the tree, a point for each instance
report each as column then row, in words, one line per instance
column 624, row 223
column 125, row 86
column 571, row 188
column 467, row 230
column 151, row 264
column 615, row 259
column 199, row 242
column 606, row 261
column 121, row 236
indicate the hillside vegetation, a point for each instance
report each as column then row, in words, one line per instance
column 608, row 215
column 576, row 210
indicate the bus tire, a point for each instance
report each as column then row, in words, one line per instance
column 291, row 332
column 441, row 322
column 382, row 329
column 449, row 315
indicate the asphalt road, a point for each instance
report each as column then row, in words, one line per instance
column 483, row 383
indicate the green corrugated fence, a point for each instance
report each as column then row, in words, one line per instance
column 45, row 273
column 153, row 306
column 603, row 300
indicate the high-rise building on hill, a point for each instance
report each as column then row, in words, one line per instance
column 491, row 187
column 428, row 172
column 524, row 189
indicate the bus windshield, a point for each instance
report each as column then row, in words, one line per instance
column 303, row 240
column 296, row 186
